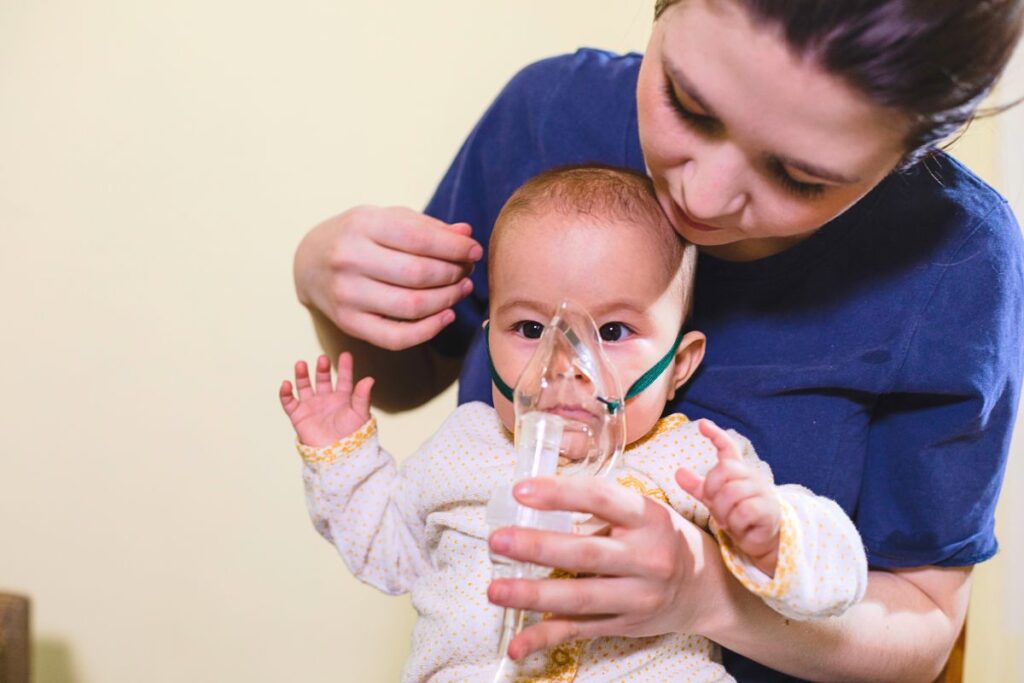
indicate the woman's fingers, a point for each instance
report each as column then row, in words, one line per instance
column 400, row 268
column 416, row 233
column 572, row 552
column 396, row 335
column 555, row 630
column 607, row 499
column 584, row 597
column 370, row 265
column 401, row 303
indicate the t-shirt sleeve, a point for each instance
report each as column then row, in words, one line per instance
column 938, row 442
column 500, row 153
column 570, row 109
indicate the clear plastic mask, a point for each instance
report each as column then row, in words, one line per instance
column 569, row 422
column 570, row 377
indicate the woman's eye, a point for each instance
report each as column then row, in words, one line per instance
column 701, row 122
column 793, row 186
column 613, row 332
column 529, row 329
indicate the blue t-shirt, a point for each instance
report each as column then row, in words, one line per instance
column 877, row 362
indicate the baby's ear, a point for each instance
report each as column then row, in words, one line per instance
column 688, row 357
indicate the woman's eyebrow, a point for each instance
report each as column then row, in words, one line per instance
column 688, row 89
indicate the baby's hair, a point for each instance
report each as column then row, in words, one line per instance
column 603, row 193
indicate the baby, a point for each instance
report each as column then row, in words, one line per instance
column 596, row 237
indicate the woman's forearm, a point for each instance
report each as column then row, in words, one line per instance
column 405, row 379
column 902, row 631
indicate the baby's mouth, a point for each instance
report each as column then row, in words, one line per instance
column 572, row 413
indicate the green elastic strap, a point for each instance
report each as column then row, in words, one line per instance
column 504, row 389
column 639, row 385
column 645, row 379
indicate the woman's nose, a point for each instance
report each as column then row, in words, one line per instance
column 713, row 183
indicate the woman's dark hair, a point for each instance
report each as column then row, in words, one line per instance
column 933, row 60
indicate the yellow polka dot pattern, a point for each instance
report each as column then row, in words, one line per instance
column 328, row 454
column 631, row 482
column 421, row 529
column 785, row 566
column 662, row 426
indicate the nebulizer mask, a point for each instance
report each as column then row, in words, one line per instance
column 569, row 421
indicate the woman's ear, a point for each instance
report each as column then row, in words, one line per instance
column 688, row 357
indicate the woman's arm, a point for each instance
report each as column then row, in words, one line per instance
column 903, row 630
column 659, row 573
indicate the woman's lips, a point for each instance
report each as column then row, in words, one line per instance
column 685, row 217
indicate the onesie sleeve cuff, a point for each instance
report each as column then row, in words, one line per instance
column 752, row 578
column 328, row 454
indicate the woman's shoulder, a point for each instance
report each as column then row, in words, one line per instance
column 941, row 195
column 589, row 93
column 580, row 69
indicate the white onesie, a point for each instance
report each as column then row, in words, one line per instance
column 421, row 529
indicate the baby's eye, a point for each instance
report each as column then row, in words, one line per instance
column 529, row 329
column 613, row 332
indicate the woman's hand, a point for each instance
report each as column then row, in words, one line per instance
column 654, row 572
column 388, row 276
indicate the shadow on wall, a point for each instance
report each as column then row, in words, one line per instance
column 51, row 662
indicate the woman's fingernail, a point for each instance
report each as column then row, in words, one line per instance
column 497, row 592
column 448, row 317
column 500, row 541
column 524, row 489
column 466, row 287
column 475, row 252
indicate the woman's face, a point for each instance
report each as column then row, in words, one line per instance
column 750, row 147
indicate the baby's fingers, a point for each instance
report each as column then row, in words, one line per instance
column 302, row 380
column 288, row 400
column 722, row 442
column 361, row 398
column 323, row 375
column 344, row 385
column 691, row 482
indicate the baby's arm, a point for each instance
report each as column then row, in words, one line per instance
column 356, row 497
column 796, row 550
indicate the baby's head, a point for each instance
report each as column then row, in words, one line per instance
column 597, row 237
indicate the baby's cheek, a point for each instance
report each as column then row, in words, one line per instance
column 642, row 413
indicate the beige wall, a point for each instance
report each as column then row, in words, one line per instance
column 158, row 164
column 159, row 161
column 995, row 641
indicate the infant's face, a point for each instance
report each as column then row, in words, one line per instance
column 608, row 270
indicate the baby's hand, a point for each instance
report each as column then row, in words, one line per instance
column 326, row 415
column 741, row 501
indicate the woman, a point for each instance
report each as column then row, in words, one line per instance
column 863, row 305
